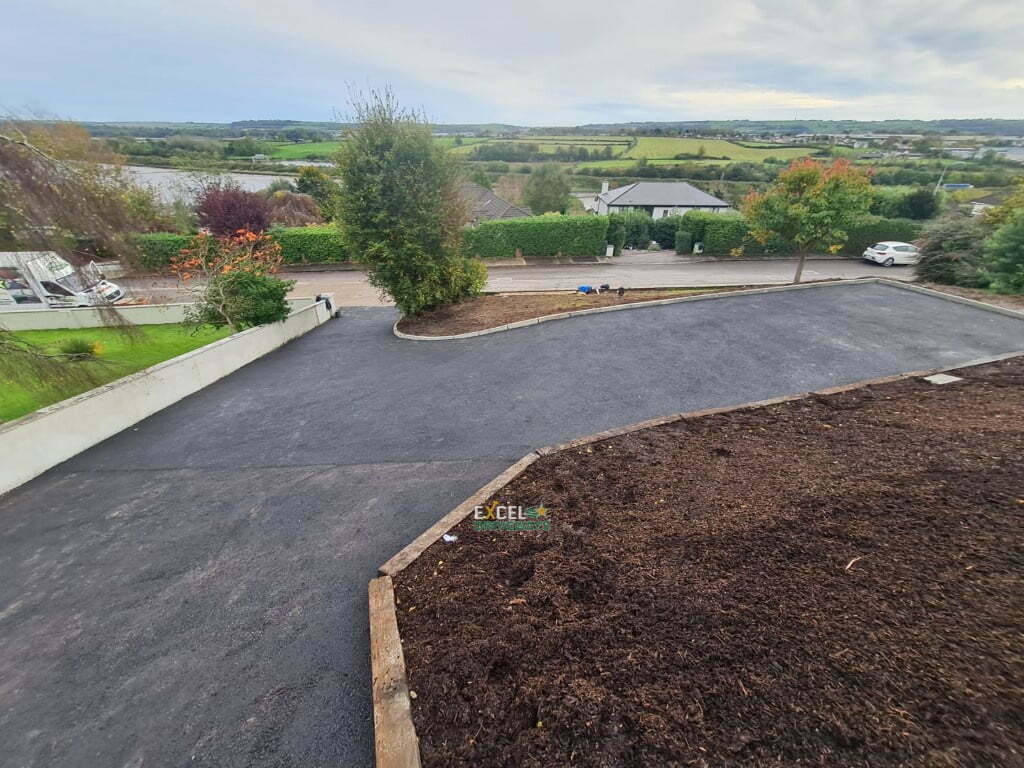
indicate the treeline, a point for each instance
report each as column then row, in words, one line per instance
column 268, row 130
column 909, row 176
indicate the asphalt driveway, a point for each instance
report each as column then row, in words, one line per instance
column 193, row 590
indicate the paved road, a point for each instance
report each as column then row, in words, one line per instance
column 192, row 591
column 642, row 270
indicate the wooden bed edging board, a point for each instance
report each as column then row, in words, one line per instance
column 453, row 518
column 395, row 742
column 397, row 745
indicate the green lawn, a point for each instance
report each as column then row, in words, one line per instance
column 287, row 151
column 121, row 354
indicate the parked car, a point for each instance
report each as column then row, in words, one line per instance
column 892, row 252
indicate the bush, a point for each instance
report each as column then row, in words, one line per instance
column 236, row 284
column 951, row 253
column 1004, row 255
column 538, row 236
column 897, row 204
column 684, row 241
column 547, row 190
column 310, row 245
column 293, row 209
column 402, row 209
column 317, row 184
column 637, row 228
column 156, row 249
column 225, row 208
column 664, row 230
column 79, row 348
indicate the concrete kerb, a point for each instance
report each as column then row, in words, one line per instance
column 392, row 719
column 631, row 305
column 708, row 297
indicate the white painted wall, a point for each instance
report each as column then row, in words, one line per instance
column 90, row 317
column 662, row 211
column 34, row 443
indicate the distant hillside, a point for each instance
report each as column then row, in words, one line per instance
column 265, row 128
column 985, row 126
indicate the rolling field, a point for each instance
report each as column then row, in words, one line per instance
column 551, row 144
column 657, row 150
column 285, row 151
column 655, row 147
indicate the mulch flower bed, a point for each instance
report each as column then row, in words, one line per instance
column 831, row 581
column 492, row 310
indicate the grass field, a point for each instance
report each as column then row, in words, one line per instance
column 285, row 151
column 655, row 147
column 551, row 144
column 121, row 354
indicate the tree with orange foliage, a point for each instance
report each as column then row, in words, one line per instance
column 233, row 280
column 810, row 206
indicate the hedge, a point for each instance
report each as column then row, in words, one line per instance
column 156, row 249
column 538, row 236
column 299, row 245
column 310, row 245
column 637, row 228
column 721, row 233
column 873, row 229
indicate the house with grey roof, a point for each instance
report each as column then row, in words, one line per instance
column 657, row 198
column 484, row 205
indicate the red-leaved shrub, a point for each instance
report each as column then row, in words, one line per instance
column 225, row 208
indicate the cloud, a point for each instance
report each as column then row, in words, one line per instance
column 538, row 63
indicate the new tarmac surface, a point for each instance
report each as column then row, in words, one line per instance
column 192, row 591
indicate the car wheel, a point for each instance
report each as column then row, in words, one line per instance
column 888, row 262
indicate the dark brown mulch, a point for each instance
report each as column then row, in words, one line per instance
column 1009, row 301
column 492, row 310
column 834, row 581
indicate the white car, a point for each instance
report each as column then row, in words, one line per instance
column 892, row 252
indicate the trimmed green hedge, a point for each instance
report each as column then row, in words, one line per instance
column 538, row 236
column 156, row 249
column 873, row 229
column 721, row 233
column 310, row 245
column 299, row 245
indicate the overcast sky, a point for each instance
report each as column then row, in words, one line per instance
column 531, row 62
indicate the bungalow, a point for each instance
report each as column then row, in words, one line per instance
column 484, row 205
column 658, row 198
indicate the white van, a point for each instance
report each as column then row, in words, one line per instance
column 39, row 279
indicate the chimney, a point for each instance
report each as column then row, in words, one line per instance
column 604, row 187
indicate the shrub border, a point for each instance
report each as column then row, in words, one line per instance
column 397, row 745
column 707, row 296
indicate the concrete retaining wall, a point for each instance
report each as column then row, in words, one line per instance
column 90, row 317
column 34, row 443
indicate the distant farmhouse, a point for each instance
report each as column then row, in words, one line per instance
column 484, row 205
column 658, row 198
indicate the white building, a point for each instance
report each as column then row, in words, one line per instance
column 658, row 198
